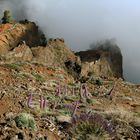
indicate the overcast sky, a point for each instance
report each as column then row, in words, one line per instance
column 82, row 22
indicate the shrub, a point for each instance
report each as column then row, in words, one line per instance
column 73, row 68
column 84, row 129
column 43, row 40
column 13, row 66
column 83, row 79
column 90, row 124
column 6, row 17
column 99, row 82
column 25, row 120
column 38, row 77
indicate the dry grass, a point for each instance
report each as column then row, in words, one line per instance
column 125, row 121
column 122, row 114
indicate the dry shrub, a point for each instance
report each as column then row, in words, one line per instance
column 125, row 121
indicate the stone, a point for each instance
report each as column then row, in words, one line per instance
column 20, row 53
column 54, row 54
column 62, row 119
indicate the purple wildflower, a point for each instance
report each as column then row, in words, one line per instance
column 44, row 103
column 41, row 102
column 81, row 91
column 70, row 107
column 55, row 105
column 111, row 91
column 29, row 101
column 65, row 90
column 75, row 109
column 73, row 91
column 95, row 119
column 86, row 92
column 58, row 91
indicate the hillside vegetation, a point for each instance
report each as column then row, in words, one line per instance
column 50, row 92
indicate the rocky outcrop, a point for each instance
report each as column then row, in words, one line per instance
column 102, row 63
column 56, row 53
column 20, row 53
column 12, row 34
column 19, row 41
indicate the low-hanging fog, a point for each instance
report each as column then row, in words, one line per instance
column 82, row 22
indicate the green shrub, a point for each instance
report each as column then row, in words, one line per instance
column 93, row 125
column 6, row 17
column 73, row 68
column 43, row 40
column 99, row 82
column 38, row 77
column 25, row 120
column 13, row 66
column 85, row 129
column 83, row 79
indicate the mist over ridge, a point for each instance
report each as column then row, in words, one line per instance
column 82, row 22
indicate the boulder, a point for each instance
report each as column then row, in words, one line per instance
column 20, row 53
column 62, row 119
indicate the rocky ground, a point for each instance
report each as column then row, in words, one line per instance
column 49, row 93
column 46, row 103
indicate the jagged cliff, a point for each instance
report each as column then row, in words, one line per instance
column 102, row 63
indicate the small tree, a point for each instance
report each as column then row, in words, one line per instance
column 43, row 40
column 6, row 17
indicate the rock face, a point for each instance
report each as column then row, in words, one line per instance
column 54, row 54
column 20, row 53
column 22, row 85
column 12, row 34
column 102, row 63
column 19, row 41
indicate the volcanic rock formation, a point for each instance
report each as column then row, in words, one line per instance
column 21, row 42
column 102, row 63
column 11, row 35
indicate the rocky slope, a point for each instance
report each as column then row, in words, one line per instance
column 114, row 99
column 40, row 98
column 54, row 54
